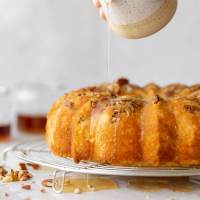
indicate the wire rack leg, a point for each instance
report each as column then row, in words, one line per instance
column 59, row 188
column 195, row 179
column 5, row 152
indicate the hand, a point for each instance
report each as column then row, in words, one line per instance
column 101, row 12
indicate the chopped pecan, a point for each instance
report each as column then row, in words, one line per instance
column 156, row 99
column 34, row 166
column 122, row 81
column 93, row 103
column 81, row 94
column 69, row 104
column 24, row 175
column 191, row 108
column 3, row 171
column 6, row 194
column 47, row 182
column 42, row 190
column 82, row 119
column 22, row 166
column 14, row 175
column 115, row 116
column 26, row 187
column 114, row 89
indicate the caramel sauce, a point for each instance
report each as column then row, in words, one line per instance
column 5, row 132
column 88, row 184
column 178, row 184
column 31, row 123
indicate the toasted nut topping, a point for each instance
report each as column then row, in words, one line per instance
column 22, row 166
column 47, row 182
column 69, row 104
column 77, row 191
column 156, row 99
column 26, row 187
column 122, row 81
column 191, row 109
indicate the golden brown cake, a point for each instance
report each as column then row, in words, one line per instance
column 124, row 124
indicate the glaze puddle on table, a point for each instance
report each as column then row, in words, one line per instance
column 88, row 184
column 180, row 184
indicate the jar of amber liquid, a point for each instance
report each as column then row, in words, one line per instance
column 33, row 101
column 5, row 114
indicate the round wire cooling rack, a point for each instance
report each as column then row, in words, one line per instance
column 36, row 151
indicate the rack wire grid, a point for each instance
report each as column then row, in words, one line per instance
column 36, row 151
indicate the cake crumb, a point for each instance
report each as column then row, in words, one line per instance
column 147, row 197
column 77, row 191
column 7, row 179
column 27, row 198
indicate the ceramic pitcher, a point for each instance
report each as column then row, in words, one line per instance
column 138, row 18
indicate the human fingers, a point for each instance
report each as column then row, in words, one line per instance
column 97, row 3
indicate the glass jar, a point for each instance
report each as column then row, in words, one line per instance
column 5, row 113
column 33, row 101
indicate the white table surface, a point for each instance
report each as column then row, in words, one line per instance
column 17, row 193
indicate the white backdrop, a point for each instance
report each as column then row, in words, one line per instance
column 64, row 41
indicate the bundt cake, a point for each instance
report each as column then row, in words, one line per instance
column 124, row 124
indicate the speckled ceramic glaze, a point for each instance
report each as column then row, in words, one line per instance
column 139, row 18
